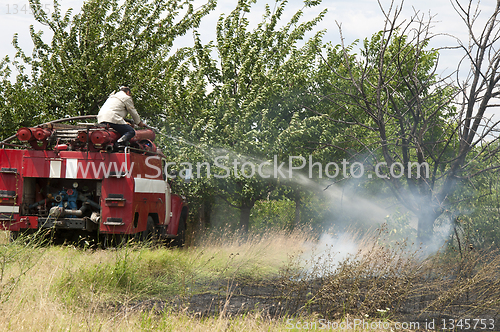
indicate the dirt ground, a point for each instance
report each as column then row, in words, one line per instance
column 267, row 299
column 230, row 299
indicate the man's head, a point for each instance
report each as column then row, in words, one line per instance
column 126, row 89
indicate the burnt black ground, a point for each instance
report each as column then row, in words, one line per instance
column 228, row 298
column 270, row 299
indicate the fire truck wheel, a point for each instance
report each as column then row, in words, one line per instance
column 148, row 234
column 113, row 240
column 13, row 236
column 105, row 241
column 181, row 231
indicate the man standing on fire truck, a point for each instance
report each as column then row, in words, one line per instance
column 114, row 111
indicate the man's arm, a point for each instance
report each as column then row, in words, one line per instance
column 129, row 104
column 140, row 124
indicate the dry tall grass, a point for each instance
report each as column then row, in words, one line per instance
column 54, row 288
column 394, row 280
column 134, row 288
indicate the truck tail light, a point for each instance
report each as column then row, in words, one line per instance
column 8, row 200
column 7, row 197
column 115, row 200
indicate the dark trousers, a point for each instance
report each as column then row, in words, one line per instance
column 122, row 129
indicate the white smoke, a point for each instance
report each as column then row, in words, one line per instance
column 323, row 257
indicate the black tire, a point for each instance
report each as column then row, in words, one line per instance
column 180, row 239
column 13, row 236
column 149, row 234
column 107, row 241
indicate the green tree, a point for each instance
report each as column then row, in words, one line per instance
column 256, row 80
column 107, row 44
column 403, row 112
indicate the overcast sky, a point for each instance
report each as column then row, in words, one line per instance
column 359, row 19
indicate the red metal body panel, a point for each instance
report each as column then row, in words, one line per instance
column 36, row 163
column 136, row 179
column 147, row 168
column 177, row 205
column 11, row 181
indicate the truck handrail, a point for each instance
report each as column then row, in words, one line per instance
column 82, row 117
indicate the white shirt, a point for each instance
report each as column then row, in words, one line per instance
column 116, row 108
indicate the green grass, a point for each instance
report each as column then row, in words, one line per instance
column 140, row 288
column 53, row 288
column 135, row 273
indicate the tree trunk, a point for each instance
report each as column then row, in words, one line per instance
column 201, row 221
column 245, row 216
column 208, row 213
column 245, row 219
column 426, row 218
column 296, row 220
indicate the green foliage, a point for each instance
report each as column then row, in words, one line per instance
column 107, row 44
column 476, row 218
column 399, row 228
column 268, row 215
column 393, row 108
column 19, row 103
column 240, row 102
column 262, row 79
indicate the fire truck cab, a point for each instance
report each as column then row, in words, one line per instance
column 75, row 180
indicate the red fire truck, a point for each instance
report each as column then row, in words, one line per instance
column 75, row 180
